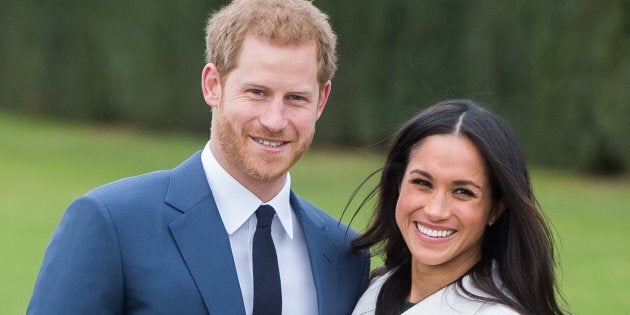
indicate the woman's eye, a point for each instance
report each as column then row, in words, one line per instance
column 256, row 92
column 421, row 182
column 464, row 192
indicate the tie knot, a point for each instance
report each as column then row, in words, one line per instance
column 264, row 214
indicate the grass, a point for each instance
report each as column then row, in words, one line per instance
column 592, row 222
column 45, row 164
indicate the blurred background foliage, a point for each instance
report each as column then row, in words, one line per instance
column 557, row 70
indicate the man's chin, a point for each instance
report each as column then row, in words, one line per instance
column 269, row 172
column 268, row 168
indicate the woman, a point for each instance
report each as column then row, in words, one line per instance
column 456, row 221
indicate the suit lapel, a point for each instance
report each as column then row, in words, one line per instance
column 322, row 253
column 202, row 240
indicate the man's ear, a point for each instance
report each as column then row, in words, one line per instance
column 497, row 211
column 323, row 98
column 211, row 85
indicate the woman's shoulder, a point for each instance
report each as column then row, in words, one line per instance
column 495, row 309
column 452, row 299
column 449, row 300
column 367, row 302
column 478, row 306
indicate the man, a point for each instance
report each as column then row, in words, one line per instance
column 184, row 241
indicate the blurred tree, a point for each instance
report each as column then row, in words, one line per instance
column 557, row 70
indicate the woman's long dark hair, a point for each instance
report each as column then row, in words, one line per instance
column 519, row 243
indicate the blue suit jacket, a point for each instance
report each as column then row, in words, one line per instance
column 155, row 244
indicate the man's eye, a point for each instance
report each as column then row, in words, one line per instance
column 296, row 98
column 256, row 92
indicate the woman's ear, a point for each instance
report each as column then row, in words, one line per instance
column 497, row 210
column 211, row 85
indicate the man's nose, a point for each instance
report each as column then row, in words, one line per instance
column 273, row 116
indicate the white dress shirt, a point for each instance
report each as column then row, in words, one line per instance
column 237, row 205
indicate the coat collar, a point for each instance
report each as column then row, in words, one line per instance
column 205, row 246
column 323, row 254
column 202, row 240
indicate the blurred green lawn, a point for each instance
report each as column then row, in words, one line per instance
column 45, row 164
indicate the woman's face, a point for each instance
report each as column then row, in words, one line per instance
column 445, row 203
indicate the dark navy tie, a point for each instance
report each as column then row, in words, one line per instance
column 267, row 292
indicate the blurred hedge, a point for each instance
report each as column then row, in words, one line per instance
column 558, row 71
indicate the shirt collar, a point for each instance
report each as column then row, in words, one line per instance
column 235, row 203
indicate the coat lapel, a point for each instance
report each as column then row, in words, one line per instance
column 202, row 240
column 322, row 253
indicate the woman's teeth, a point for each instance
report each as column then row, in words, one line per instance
column 433, row 233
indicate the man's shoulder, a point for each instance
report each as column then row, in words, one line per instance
column 147, row 185
column 133, row 186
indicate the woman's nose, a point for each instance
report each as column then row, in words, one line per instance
column 437, row 207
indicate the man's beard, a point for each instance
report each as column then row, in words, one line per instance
column 260, row 166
